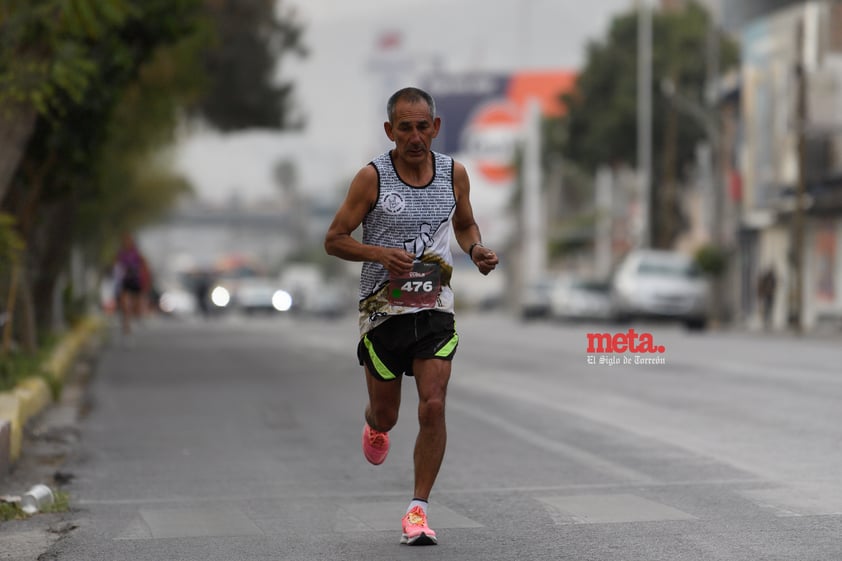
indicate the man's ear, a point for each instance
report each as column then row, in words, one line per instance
column 387, row 126
column 436, row 126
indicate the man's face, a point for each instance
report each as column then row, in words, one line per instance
column 412, row 131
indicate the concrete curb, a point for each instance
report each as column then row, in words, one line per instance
column 59, row 362
column 32, row 395
column 5, row 445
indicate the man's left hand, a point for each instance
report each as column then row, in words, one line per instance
column 485, row 259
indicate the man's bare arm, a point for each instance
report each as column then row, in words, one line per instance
column 339, row 241
column 465, row 227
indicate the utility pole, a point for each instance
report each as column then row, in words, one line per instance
column 604, row 219
column 717, row 153
column 644, row 118
column 666, row 198
column 797, row 249
column 534, row 256
column 712, row 98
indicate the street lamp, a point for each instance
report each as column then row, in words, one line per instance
column 706, row 119
column 644, row 116
column 703, row 117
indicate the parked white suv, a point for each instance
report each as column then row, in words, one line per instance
column 660, row 284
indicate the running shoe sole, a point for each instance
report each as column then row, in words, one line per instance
column 374, row 456
column 420, row 539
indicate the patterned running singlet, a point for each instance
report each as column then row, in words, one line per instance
column 417, row 219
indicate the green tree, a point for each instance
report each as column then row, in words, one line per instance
column 600, row 125
column 70, row 61
column 133, row 182
column 45, row 62
column 243, row 65
column 91, row 94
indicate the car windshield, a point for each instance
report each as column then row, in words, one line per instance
column 544, row 285
column 596, row 286
column 676, row 269
column 590, row 285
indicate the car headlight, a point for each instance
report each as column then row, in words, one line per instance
column 220, row 297
column 281, row 300
column 167, row 302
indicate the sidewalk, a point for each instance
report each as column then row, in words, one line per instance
column 47, row 440
column 823, row 332
column 33, row 395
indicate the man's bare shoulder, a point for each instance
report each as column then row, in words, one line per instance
column 363, row 189
column 366, row 176
column 460, row 178
column 459, row 169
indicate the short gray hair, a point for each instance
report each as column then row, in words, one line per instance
column 412, row 95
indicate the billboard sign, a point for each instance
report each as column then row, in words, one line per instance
column 483, row 113
column 483, row 117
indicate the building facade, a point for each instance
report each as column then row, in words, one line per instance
column 791, row 144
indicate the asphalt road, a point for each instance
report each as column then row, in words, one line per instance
column 238, row 439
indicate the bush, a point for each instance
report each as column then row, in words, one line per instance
column 17, row 365
column 712, row 260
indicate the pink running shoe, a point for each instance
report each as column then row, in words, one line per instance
column 375, row 445
column 415, row 529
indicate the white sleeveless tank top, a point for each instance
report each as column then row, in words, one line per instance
column 417, row 219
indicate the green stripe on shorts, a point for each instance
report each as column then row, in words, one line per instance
column 381, row 368
column 448, row 348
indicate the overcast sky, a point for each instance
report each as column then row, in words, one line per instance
column 342, row 91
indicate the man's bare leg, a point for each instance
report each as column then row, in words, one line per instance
column 384, row 401
column 431, row 378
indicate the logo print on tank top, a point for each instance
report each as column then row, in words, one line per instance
column 393, row 203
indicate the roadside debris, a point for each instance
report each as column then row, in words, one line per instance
column 36, row 499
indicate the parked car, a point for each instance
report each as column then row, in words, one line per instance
column 660, row 284
column 575, row 298
column 251, row 294
column 535, row 300
column 259, row 294
column 175, row 301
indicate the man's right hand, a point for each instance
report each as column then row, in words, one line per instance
column 397, row 261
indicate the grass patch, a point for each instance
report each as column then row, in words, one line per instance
column 61, row 503
column 12, row 511
column 17, row 365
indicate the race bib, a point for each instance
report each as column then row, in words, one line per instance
column 419, row 289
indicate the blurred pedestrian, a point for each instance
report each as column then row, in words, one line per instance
column 201, row 290
column 766, row 288
column 147, row 298
column 408, row 200
column 131, row 278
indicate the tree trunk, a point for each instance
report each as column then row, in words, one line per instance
column 16, row 125
column 11, row 301
column 52, row 246
column 24, row 318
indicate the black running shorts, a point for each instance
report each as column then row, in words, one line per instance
column 389, row 349
column 131, row 284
